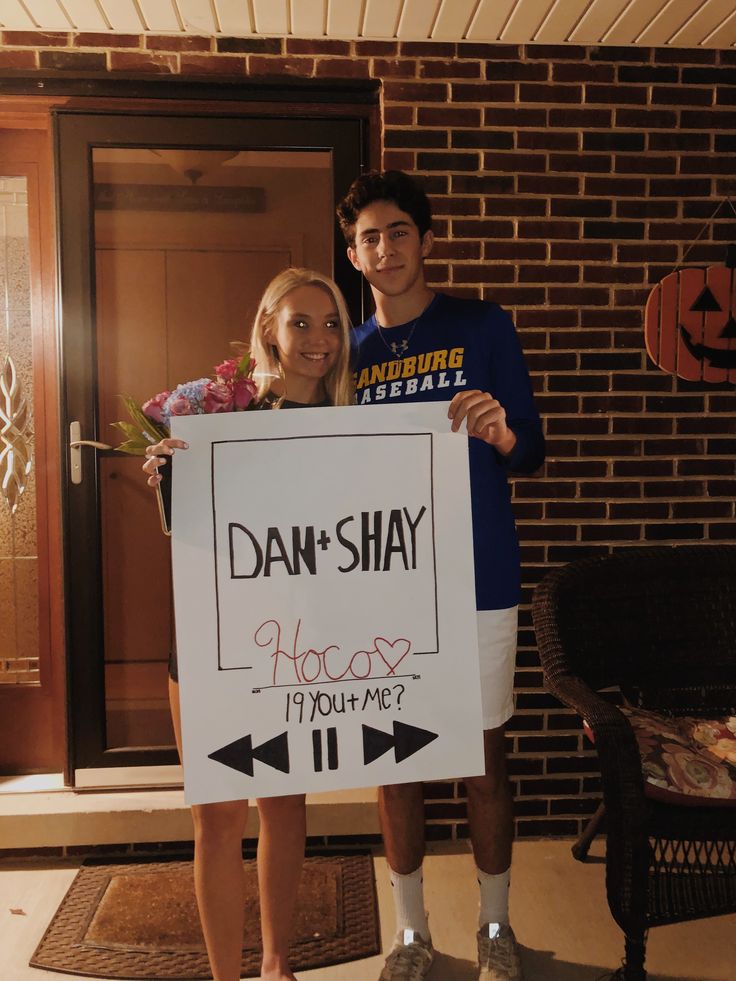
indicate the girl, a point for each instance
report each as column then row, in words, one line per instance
column 300, row 343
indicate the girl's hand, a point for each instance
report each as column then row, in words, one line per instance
column 156, row 456
column 485, row 419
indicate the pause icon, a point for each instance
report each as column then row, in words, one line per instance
column 331, row 749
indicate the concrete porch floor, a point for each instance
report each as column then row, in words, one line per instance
column 559, row 912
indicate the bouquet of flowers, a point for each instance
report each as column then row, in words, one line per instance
column 231, row 390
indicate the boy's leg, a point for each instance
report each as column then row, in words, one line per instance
column 401, row 811
column 280, row 858
column 490, row 804
column 490, row 817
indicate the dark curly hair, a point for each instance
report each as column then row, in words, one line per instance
column 391, row 185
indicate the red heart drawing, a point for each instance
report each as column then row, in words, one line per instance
column 386, row 650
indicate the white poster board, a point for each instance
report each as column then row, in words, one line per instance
column 325, row 600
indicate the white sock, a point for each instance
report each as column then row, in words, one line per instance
column 494, row 897
column 409, row 902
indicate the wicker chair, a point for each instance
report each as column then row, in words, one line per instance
column 658, row 627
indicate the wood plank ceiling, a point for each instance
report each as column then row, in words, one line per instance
column 679, row 23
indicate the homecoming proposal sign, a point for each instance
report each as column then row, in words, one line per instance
column 325, row 601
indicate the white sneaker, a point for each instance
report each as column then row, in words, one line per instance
column 498, row 953
column 410, row 959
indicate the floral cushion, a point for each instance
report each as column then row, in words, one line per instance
column 686, row 760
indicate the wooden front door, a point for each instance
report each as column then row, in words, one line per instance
column 165, row 253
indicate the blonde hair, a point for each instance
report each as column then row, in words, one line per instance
column 339, row 379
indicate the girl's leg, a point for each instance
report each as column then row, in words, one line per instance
column 218, row 872
column 280, row 856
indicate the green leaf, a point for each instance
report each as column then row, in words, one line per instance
column 141, row 432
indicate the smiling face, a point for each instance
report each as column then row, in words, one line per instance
column 389, row 250
column 308, row 338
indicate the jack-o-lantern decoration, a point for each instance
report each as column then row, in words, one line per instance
column 690, row 322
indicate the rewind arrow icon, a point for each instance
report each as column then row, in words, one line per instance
column 405, row 741
column 240, row 754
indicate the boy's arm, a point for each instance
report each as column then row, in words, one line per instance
column 504, row 417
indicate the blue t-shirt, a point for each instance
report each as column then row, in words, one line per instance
column 457, row 344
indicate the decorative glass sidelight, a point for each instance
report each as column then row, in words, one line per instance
column 15, row 450
column 18, row 532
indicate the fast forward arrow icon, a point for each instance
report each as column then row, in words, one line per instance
column 405, row 741
column 240, row 754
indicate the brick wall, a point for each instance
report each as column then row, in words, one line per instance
column 565, row 182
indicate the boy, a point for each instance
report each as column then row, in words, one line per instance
column 426, row 346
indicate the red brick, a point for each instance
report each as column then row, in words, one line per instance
column 572, row 72
column 597, row 163
column 581, row 118
column 454, row 116
column 546, row 140
column 552, row 184
column 394, row 68
column 317, row 46
column 263, row 65
column 483, row 92
column 530, row 92
column 398, row 160
column 414, row 91
column 449, row 69
column 514, row 250
column 426, row 138
column 249, row 45
column 178, row 42
column 456, row 206
column 73, row 61
column 18, row 59
column 342, row 68
column 616, row 94
column 515, row 163
column 143, row 61
column 681, row 95
column 549, row 229
column 646, row 119
column 554, row 52
column 520, row 118
column 428, row 49
column 514, row 71
column 377, row 49
column 581, row 251
column 36, row 39
column 399, row 115
column 211, row 64
column 90, row 40
column 515, row 206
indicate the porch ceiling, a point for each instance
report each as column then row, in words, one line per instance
column 680, row 23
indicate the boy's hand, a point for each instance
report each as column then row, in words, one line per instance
column 484, row 417
column 155, row 456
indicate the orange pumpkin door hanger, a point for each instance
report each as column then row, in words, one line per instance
column 690, row 322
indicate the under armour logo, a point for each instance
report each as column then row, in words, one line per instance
column 398, row 348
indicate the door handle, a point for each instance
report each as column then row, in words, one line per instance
column 75, row 450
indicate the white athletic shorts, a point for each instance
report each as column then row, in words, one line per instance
column 497, row 654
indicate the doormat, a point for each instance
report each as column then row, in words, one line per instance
column 139, row 920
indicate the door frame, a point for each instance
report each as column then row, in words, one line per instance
column 77, row 129
column 32, row 717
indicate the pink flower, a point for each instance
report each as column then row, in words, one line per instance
column 227, row 370
column 244, row 391
column 181, row 407
column 217, row 397
column 152, row 407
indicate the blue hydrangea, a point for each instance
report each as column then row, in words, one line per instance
column 192, row 391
